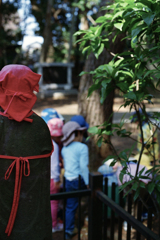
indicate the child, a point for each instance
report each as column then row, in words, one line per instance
column 82, row 122
column 55, row 126
column 75, row 157
column 47, row 114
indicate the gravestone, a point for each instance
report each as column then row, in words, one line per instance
column 55, row 75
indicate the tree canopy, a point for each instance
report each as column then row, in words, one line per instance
column 10, row 32
column 56, row 22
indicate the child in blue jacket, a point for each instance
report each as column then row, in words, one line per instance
column 75, row 159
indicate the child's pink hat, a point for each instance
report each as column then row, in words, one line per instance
column 55, row 127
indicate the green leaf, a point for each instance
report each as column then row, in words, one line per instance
column 137, row 30
column 123, row 86
column 118, row 14
column 119, row 26
column 85, row 49
column 100, row 50
column 136, row 194
column 130, row 95
column 112, row 163
column 125, row 184
column 140, row 172
column 140, row 96
column 99, row 142
column 93, row 88
column 158, row 177
column 103, row 95
column 148, row 72
column 119, row 62
column 109, row 157
column 123, row 155
column 121, row 175
column 93, row 130
column 144, row 177
column 105, row 82
column 142, row 184
column 150, row 187
column 135, row 186
column 109, row 69
column 126, row 73
column 133, row 42
column 99, row 30
column 126, row 193
column 101, row 19
column 123, row 4
column 148, row 17
column 157, row 29
column 79, row 32
column 82, row 73
column 147, row 4
column 131, row 2
column 108, row 133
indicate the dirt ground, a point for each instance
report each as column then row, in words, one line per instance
column 69, row 107
column 66, row 106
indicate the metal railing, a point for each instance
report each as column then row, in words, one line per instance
column 76, row 194
column 98, row 205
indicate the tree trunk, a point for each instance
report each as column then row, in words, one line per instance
column 94, row 112
column 47, row 33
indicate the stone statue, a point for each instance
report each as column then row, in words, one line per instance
column 25, row 149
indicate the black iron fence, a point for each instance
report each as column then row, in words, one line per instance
column 105, row 216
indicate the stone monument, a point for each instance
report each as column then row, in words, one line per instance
column 25, row 149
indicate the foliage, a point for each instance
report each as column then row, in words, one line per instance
column 59, row 24
column 10, row 32
column 135, row 72
column 83, row 5
column 65, row 16
column 59, row 18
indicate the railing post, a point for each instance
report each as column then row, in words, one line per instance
column 95, row 207
column 64, row 209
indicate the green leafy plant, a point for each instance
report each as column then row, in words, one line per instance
column 135, row 72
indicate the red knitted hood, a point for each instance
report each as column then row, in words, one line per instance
column 17, row 83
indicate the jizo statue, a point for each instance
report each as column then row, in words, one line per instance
column 25, row 149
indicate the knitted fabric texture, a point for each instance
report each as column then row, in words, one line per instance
column 17, row 83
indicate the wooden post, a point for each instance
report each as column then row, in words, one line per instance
column 95, row 207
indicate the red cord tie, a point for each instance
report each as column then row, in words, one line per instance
column 23, row 97
column 9, row 117
column 20, row 163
